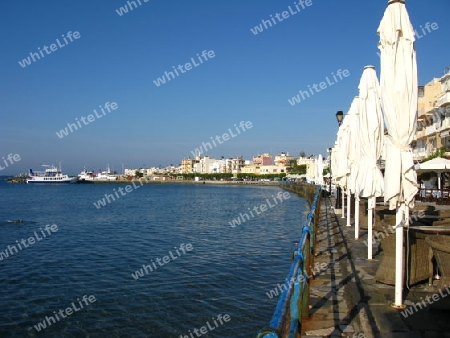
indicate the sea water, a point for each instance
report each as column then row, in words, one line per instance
column 97, row 252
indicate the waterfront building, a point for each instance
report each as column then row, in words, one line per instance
column 187, row 166
column 310, row 165
column 203, row 165
column 284, row 159
column 433, row 117
column 272, row 169
column 251, row 169
column 264, row 159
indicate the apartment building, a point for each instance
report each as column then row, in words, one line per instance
column 310, row 165
column 264, row 159
column 433, row 117
column 284, row 159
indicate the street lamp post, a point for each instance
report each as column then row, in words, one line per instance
column 339, row 118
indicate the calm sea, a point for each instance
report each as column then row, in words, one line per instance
column 94, row 252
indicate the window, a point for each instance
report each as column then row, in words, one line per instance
column 421, row 91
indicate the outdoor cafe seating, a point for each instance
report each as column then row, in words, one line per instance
column 428, row 250
column 439, row 196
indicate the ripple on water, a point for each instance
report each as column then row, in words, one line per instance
column 95, row 251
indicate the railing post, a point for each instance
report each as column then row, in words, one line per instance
column 307, row 267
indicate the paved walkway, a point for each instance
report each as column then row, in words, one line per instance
column 346, row 301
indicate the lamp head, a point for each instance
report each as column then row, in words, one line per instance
column 339, row 116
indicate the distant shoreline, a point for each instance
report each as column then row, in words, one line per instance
column 210, row 182
column 188, row 182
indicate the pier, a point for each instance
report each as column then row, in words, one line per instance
column 346, row 300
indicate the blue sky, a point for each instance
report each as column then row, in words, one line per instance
column 117, row 58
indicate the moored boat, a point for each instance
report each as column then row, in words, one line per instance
column 86, row 176
column 51, row 175
column 105, row 175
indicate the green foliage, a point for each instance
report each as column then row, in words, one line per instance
column 438, row 153
column 296, row 169
column 217, row 176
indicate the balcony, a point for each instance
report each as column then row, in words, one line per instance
column 445, row 124
column 419, row 153
column 430, row 130
column 444, row 100
column 420, row 134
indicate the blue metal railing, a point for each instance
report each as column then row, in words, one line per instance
column 293, row 303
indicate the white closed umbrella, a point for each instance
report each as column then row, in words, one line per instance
column 318, row 177
column 398, row 85
column 353, row 154
column 370, row 181
column 336, row 167
column 343, row 165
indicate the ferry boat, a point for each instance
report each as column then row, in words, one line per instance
column 86, row 176
column 105, row 175
column 51, row 175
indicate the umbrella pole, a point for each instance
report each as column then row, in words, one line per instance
column 400, row 221
column 343, row 202
column 356, row 217
column 370, row 206
column 349, row 195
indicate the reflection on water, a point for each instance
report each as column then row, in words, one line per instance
column 96, row 251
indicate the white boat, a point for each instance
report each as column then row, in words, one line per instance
column 105, row 176
column 86, row 176
column 51, row 175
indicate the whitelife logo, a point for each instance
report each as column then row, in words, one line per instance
column 341, row 74
column 35, row 56
column 49, row 320
column 318, row 268
column 429, row 27
column 86, row 120
column 124, row 9
column 285, row 14
column 31, row 240
column 106, row 199
column 243, row 126
column 11, row 158
column 187, row 66
column 166, row 259
column 410, row 310
column 243, row 217
column 208, row 327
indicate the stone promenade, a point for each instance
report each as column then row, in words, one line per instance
column 346, row 301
